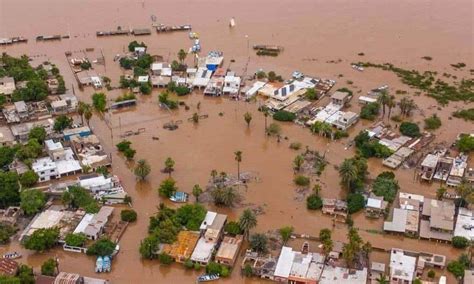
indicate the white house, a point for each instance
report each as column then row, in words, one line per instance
column 231, row 84
column 402, row 267
column 60, row 162
column 161, row 69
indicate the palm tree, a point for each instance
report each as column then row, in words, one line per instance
column 247, row 221
column 197, row 191
column 182, row 55
column 466, row 192
column 81, row 107
column 298, row 163
column 316, row 189
column 169, row 166
column 225, row 196
column 383, row 100
column 248, row 118
column 406, row 106
column 391, row 104
column 142, row 169
column 348, row 172
column 238, row 159
column 88, row 113
column 214, row 175
column 382, row 279
column 265, row 114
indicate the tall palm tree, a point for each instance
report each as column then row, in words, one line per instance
column 88, row 114
column 407, row 106
column 238, row 159
column 466, row 192
column 383, row 99
column 391, row 104
column 142, row 169
column 81, row 108
column 247, row 221
column 298, row 163
column 348, row 172
column 265, row 114
column 182, row 55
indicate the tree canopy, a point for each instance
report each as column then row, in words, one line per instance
column 32, row 200
column 42, row 239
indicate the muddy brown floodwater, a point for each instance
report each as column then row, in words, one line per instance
column 313, row 33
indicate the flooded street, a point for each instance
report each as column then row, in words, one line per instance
column 312, row 33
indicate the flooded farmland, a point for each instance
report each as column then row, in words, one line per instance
column 321, row 38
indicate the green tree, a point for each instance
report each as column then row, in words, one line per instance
column 311, row 94
column 248, row 271
column 28, row 178
column 465, row 143
column 382, row 279
column 142, row 169
column 440, row 193
column 9, row 189
column 197, row 191
column 7, row 155
column 352, row 248
column 169, row 166
column 128, row 215
column 459, row 242
column 42, row 239
column 466, row 193
column 314, row 202
column 386, row 187
column 248, row 118
column 38, row 133
column 26, row 275
column 48, row 267
column 79, row 197
column 407, row 105
column 283, row 115
column 383, row 99
column 238, row 159
column 370, row 111
column 32, row 200
column 165, row 258
column 62, row 122
column 99, row 102
column 182, row 55
column 88, row 114
column 286, row 233
column 102, row 247
column 247, row 222
column 167, row 187
column 274, row 129
column 259, row 243
column 149, row 246
column 355, row 202
column 75, row 239
column 6, row 232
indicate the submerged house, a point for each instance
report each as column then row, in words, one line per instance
column 7, row 87
column 231, row 85
column 229, row 250
column 202, row 78
column 183, row 247
column 375, row 206
column 402, row 267
column 298, row 267
column 457, row 171
column 428, row 167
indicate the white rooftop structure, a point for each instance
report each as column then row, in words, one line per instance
column 430, row 161
column 143, row 79
column 162, row 69
column 465, row 224
column 7, row 85
column 342, row 275
column 374, row 203
column 209, row 219
column 285, row 262
column 231, row 84
column 402, row 267
column 203, row 251
column 52, row 146
column 254, row 89
column 202, row 78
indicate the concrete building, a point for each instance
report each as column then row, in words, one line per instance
column 375, row 206
column 342, row 275
column 6, row 136
column 403, row 222
column 92, row 225
column 402, row 267
column 437, row 220
column 61, row 162
column 21, row 131
column 465, row 224
column 182, row 249
column 340, row 98
column 297, row 267
column 211, row 231
column 231, row 84
column 229, row 250
column 7, row 87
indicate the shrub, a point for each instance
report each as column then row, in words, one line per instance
column 28, row 178
column 188, row 264
column 167, row 187
column 466, row 114
column 233, row 228
column 465, row 143
column 165, row 258
column 258, row 243
column 370, row 111
column 386, row 187
column 433, row 122
column 314, row 202
column 283, row 115
column 102, row 247
column 128, row 215
column 311, row 94
column 75, row 240
column 182, row 90
column 295, row 145
column 410, row 129
column 431, row 273
column 48, row 267
column 42, row 239
column 459, row 242
column 6, row 231
column 301, row 180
